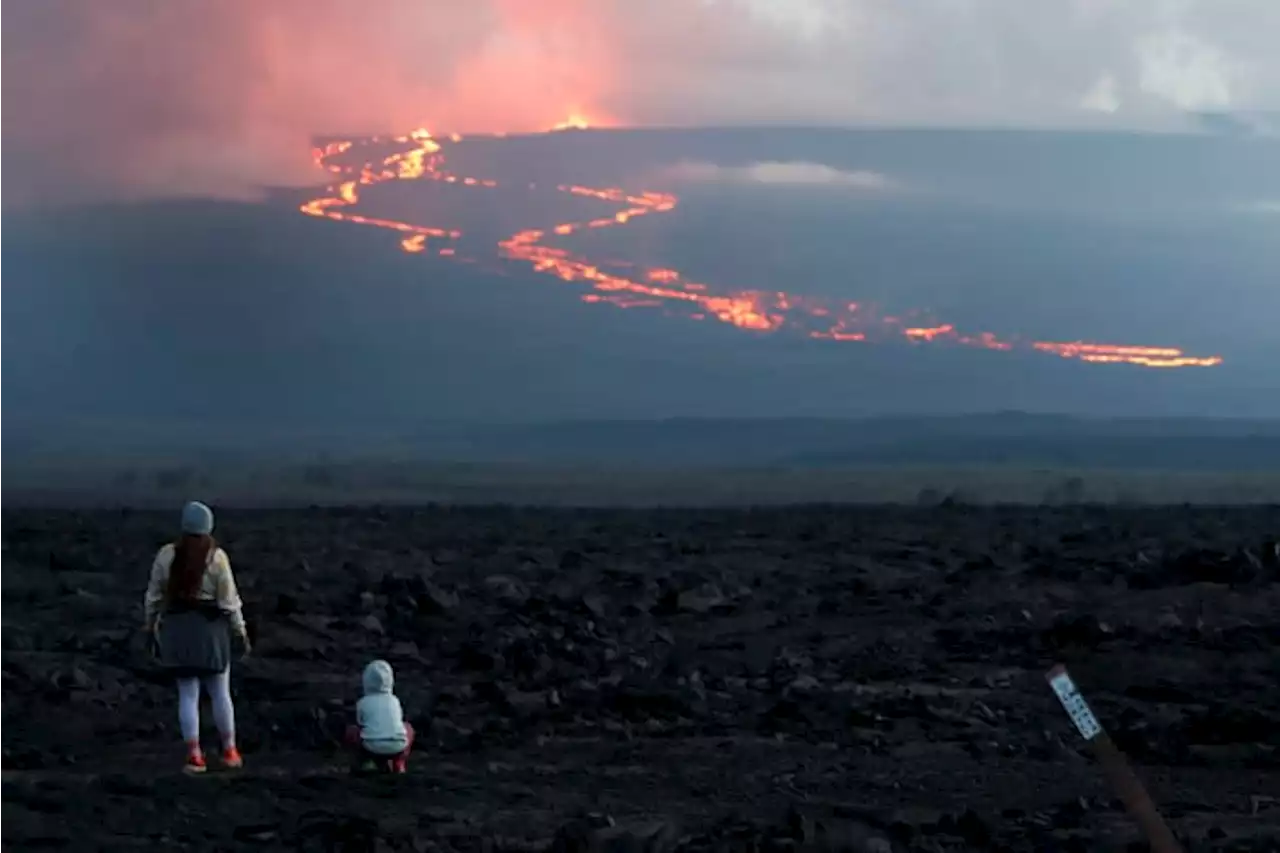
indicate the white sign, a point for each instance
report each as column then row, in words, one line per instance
column 1077, row 709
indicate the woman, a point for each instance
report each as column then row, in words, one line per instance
column 192, row 608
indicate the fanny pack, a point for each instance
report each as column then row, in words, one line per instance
column 208, row 609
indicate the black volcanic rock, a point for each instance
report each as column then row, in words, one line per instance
column 881, row 670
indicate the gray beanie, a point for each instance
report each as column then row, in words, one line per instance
column 197, row 519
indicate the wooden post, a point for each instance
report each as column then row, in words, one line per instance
column 1127, row 786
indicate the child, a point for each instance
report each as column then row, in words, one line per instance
column 380, row 736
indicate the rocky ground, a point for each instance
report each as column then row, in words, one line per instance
column 783, row 679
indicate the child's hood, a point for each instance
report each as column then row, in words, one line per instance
column 378, row 678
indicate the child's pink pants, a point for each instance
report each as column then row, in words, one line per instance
column 352, row 740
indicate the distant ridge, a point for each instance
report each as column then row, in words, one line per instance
column 996, row 438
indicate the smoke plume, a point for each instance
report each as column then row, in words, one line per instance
column 222, row 97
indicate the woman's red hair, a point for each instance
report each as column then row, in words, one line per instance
column 190, row 561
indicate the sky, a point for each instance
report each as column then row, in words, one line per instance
column 128, row 98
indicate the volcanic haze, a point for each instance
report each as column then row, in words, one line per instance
column 222, row 97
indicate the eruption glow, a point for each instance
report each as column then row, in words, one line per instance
column 421, row 157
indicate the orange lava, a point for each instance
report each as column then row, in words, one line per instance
column 419, row 156
column 575, row 121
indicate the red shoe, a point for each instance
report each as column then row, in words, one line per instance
column 195, row 761
column 231, row 757
column 400, row 765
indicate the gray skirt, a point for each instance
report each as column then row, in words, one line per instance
column 194, row 642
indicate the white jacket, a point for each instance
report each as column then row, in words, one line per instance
column 378, row 713
column 218, row 585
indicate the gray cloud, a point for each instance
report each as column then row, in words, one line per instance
column 989, row 61
column 144, row 97
column 783, row 173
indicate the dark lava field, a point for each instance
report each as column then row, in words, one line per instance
column 816, row 678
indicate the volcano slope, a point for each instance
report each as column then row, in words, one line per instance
column 800, row 678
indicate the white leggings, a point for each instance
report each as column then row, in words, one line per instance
column 224, row 713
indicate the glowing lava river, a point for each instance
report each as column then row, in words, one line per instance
column 420, row 156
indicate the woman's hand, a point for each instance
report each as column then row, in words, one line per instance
column 148, row 631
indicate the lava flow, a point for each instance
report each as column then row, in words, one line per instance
column 420, row 157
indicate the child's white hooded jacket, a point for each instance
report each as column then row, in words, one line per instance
column 379, row 714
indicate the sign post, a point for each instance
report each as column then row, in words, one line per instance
column 1119, row 774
